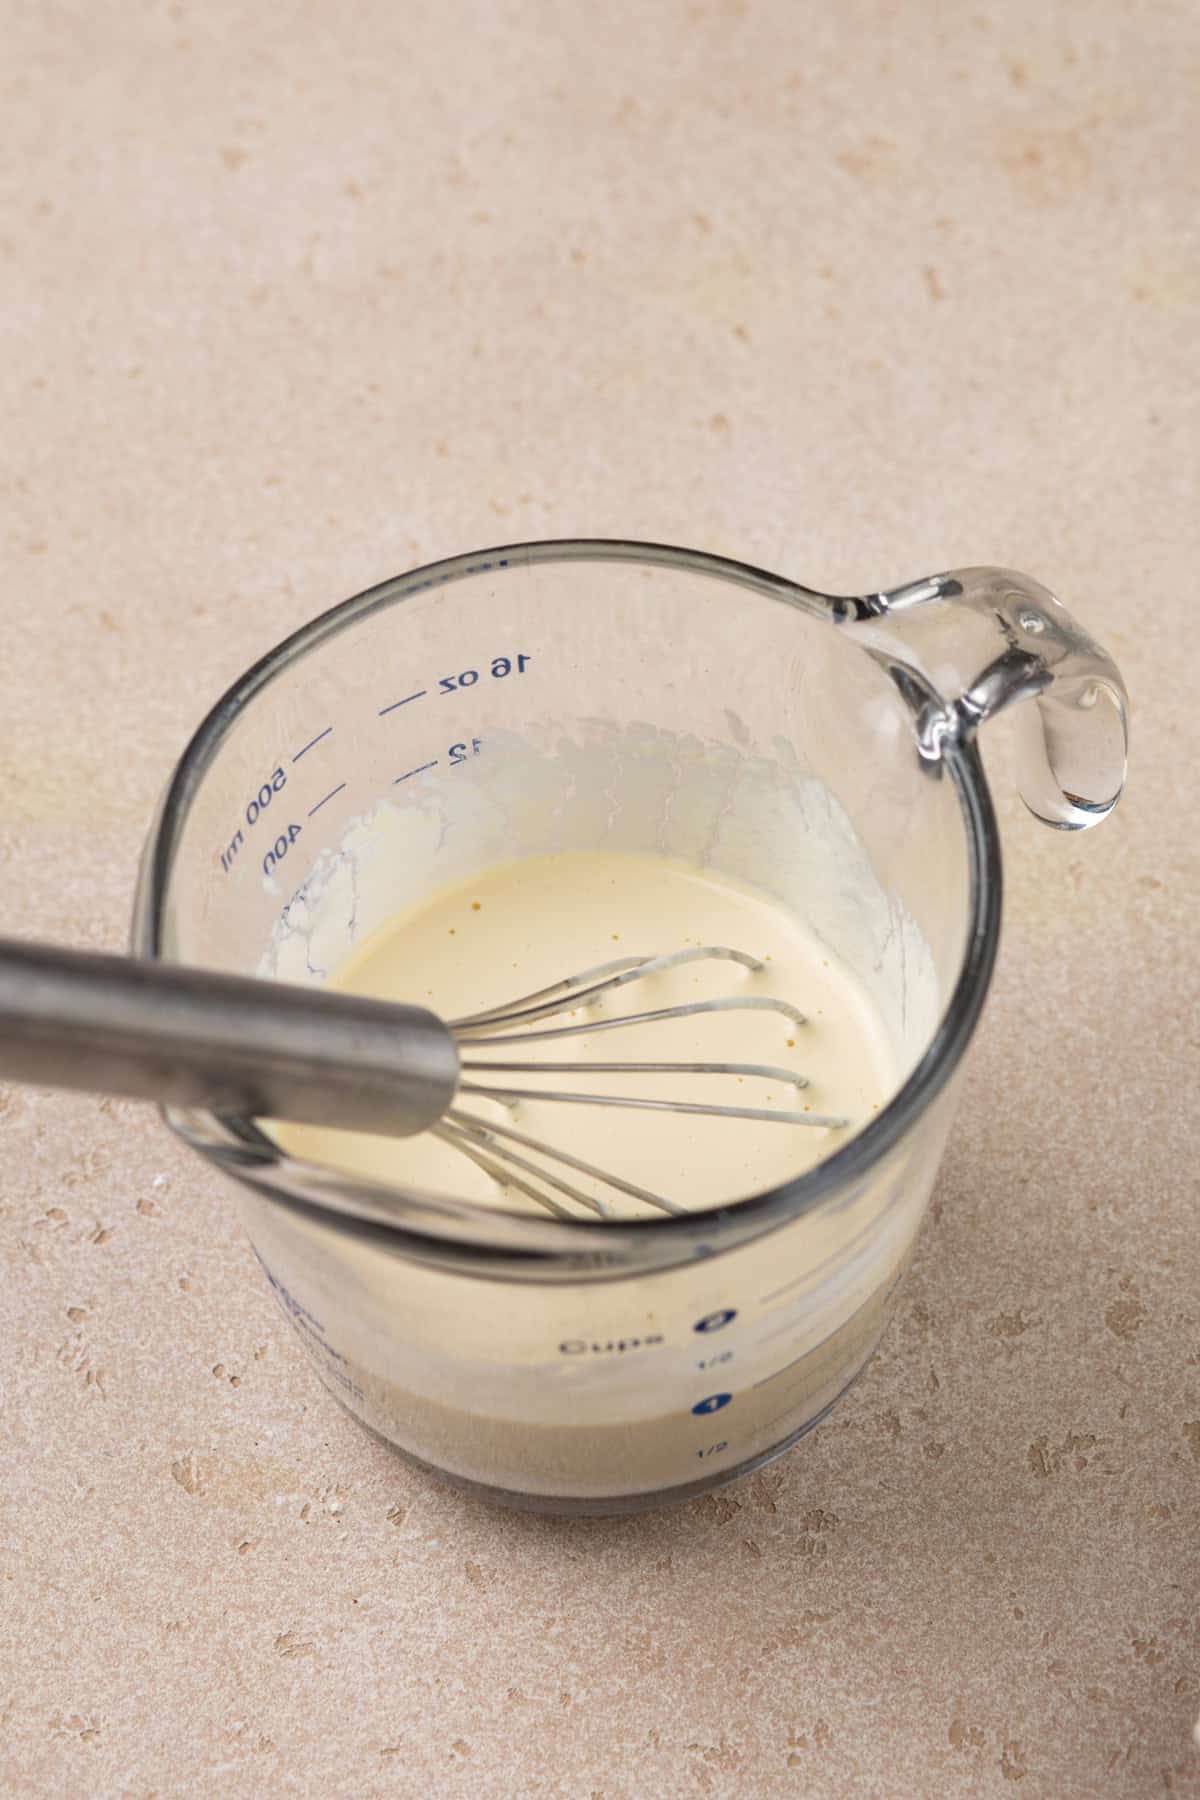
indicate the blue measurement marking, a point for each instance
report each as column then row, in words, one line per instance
column 333, row 792
column 395, row 703
column 420, row 771
column 713, row 1404
column 312, row 742
column 715, row 1320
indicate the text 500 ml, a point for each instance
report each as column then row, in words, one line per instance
column 254, row 808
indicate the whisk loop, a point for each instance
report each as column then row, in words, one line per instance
column 519, row 1022
column 591, row 984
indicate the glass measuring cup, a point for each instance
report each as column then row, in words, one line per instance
column 612, row 695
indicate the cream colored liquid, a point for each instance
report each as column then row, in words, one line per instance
column 525, row 924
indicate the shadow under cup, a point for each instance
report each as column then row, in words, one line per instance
column 599, row 697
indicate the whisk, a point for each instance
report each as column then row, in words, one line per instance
column 248, row 1048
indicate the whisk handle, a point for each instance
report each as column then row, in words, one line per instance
column 191, row 1037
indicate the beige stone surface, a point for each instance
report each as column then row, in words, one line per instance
column 296, row 297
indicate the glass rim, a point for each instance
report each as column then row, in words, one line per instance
column 519, row 1235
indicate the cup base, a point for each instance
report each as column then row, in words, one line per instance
column 608, row 1506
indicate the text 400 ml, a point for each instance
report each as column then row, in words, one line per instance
column 255, row 807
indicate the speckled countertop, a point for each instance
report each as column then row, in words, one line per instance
column 295, row 298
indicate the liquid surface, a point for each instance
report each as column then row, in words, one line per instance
column 523, row 925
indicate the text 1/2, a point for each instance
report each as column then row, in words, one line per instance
column 500, row 667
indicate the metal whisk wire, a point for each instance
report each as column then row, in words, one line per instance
column 487, row 1144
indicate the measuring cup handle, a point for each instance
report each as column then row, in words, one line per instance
column 964, row 645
